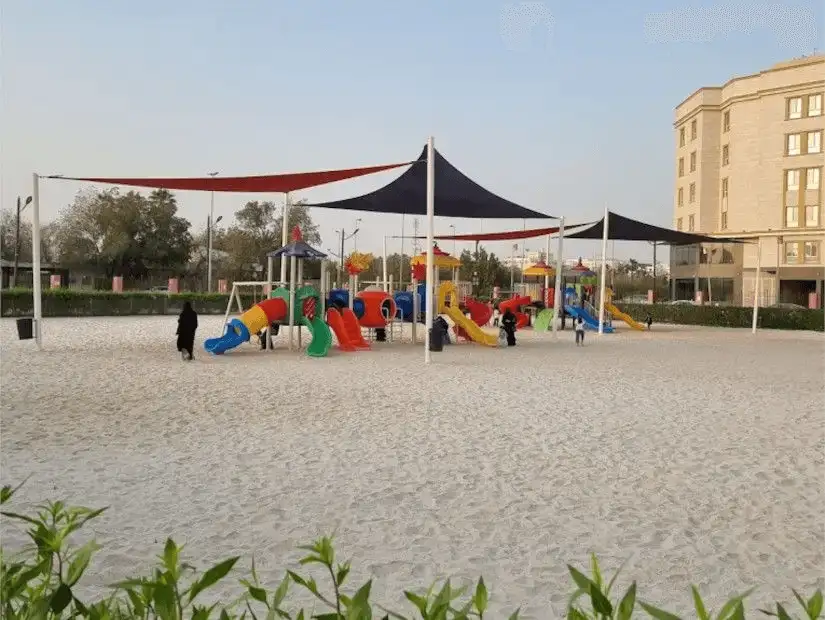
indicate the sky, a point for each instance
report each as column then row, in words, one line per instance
column 562, row 107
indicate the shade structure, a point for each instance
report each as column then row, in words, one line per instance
column 298, row 248
column 523, row 233
column 622, row 228
column 539, row 269
column 440, row 259
column 274, row 183
column 580, row 271
column 456, row 195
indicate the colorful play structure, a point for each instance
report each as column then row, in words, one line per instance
column 349, row 318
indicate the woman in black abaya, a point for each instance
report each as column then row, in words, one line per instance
column 187, row 325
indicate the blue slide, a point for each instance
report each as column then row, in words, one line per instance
column 587, row 319
column 236, row 334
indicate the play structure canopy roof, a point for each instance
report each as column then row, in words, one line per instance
column 456, row 195
column 298, row 248
column 620, row 228
column 440, row 259
column 539, row 269
column 277, row 183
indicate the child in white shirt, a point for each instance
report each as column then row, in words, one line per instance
column 579, row 332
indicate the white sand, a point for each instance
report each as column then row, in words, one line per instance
column 698, row 453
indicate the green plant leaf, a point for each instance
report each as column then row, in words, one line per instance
column 259, row 594
column 729, row 607
column 615, row 576
column 362, row 597
column 60, row 599
column 19, row 517
column 701, row 612
column 419, row 601
column 596, row 572
column 165, row 602
column 581, row 579
column 280, row 592
column 170, row 556
column 738, row 612
column 814, row 606
column 341, row 574
column 781, row 613
column 575, row 614
column 600, row 603
column 657, row 613
column 515, row 614
column 80, row 561
column 211, row 577
column 628, row 602
column 480, row 598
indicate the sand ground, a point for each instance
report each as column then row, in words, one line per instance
column 697, row 454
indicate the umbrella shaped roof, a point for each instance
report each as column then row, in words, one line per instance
column 440, row 259
column 539, row 269
column 298, row 248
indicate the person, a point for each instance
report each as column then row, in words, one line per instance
column 187, row 325
column 649, row 321
column 579, row 332
column 508, row 324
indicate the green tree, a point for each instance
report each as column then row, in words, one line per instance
column 8, row 224
column 486, row 267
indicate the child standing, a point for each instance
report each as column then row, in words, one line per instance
column 579, row 332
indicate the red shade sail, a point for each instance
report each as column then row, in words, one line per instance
column 528, row 233
column 275, row 183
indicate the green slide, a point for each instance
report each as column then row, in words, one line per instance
column 321, row 336
column 544, row 321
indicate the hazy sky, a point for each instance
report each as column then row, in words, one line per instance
column 563, row 117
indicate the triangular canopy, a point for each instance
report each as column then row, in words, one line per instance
column 298, row 248
column 620, row 228
column 277, row 183
column 456, row 195
column 440, row 258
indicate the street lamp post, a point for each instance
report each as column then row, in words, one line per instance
column 209, row 236
column 355, row 235
column 344, row 237
column 210, row 227
column 17, row 239
column 452, row 227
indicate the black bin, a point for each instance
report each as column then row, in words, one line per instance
column 25, row 328
column 436, row 339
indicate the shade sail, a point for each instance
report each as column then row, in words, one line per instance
column 527, row 233
column 620, row 228
column 456, row 195
column 274, row 183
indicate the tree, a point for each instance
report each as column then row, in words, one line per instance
column 8, row 228
column 486, row 267
column 129, row 234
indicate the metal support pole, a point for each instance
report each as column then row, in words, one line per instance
column 758, row 285
column 605, row 234
column 558, row 297
column 36, row 283
column 285, row 238
column 430, row 242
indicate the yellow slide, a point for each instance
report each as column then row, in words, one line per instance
column 622, row 316
column 447, row 289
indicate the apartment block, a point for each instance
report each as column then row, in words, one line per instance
column 748, row 165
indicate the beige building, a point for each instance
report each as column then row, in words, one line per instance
column 749, row 161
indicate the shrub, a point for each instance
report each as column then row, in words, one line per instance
column 40, row 582
column 727, row 316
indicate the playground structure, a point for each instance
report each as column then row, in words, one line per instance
column 615, row 312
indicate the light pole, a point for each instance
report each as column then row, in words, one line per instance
column 17, row 239
column 452, row 227
column 344, row 237
column 355, row 235
column 209, row 236
column 210, row 227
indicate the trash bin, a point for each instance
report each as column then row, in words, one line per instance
column 25, row 328
column 436, row 339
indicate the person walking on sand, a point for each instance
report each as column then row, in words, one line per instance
column 187, row 326
column 508, row 324
column 579, row 332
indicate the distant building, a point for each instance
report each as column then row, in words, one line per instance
column 748, row 161
column 24, row 274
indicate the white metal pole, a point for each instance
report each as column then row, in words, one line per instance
column 300, row 283
column 229, row 308
column 386, row 285
column 401, row 261
column 285, row 238
column 558, row 298
column 351, row 295
column 416, row 310
column 758, row 285
column 605, row 226
column 270, row 274
column 430, row 242
column 209, row 234
column 324, row 288
column 36, row 284
column 293, row 267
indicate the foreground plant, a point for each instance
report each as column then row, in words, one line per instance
column 39, row 582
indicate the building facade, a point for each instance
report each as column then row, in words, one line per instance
column 749, row 162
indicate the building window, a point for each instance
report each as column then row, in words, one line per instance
column 811, row 215
column 794, row 144
column 680, row 197
column 725, row 187
column 726, row 122
column 681, row 166
column 792, row 180
column 692, row 192
column 811, row 251
column 693, row 161
column 814, row 142
column 791, row 216
column 725, row 155
column 681, row 136
column 814, row 105
column 795, row 107
column 791, row 252
column 724, row 220
column 812, row 178
column 693, row 129
column 679, row 223
column 690, row 223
